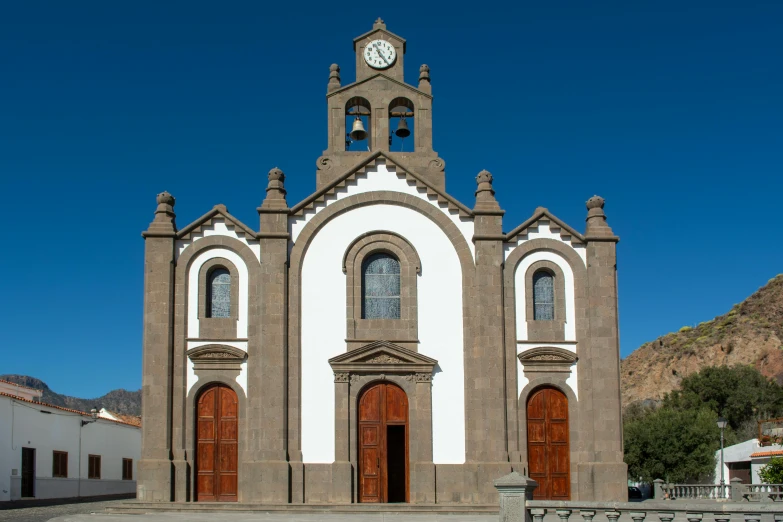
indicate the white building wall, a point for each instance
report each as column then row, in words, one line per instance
column 324, row 325
column 46, row 429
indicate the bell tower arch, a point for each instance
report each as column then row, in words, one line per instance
column 389, row 107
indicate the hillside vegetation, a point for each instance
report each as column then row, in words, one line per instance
column 751, row 333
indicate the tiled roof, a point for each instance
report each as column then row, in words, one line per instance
column 19, row 385
column 773, row 453
column 16, row 397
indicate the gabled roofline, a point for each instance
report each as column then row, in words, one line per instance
column 542, row 212
column 376, row 75
column 380, row 30
column 322, row 193
column 217, row 210
column 358, row 352
column 77, row 412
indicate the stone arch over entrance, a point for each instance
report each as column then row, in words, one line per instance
column 548, row 443
column 297, row 257
column 383, row 433
column 217, row 444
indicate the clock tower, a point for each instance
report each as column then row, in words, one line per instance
column 386, row 106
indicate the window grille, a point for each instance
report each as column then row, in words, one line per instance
column 543, row 296
column 219, row 293
column 381, row 287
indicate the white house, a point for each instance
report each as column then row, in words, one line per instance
column 744, row 460
column 48, row 451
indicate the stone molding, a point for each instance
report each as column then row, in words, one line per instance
column 216, row 357
column 382, row 357
column 218, row 327
column 208, row 219
column 538, row 330
column 547, row 359
column 367, row 244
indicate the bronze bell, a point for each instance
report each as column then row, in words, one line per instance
column 358, row 133
column 402, row 129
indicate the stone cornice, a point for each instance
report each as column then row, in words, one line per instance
column 216, row 357
column 547, row 359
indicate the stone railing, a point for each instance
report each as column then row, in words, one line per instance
column 735, row 490
column 516, row 505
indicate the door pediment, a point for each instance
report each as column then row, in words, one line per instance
column 547, row 359
column 382, row 357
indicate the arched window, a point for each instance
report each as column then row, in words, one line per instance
column 381, row 287
column 219, row 293
column 543, row 296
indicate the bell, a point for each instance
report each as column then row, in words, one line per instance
column 402, row 129
column 358, row 133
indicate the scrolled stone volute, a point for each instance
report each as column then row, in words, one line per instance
column 334, row 78
column 596, row 219
column 164, row 222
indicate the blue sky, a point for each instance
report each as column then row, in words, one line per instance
column 670, row 110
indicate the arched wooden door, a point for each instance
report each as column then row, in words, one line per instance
column 548, row 451
column 217, row 441
column 383, row 444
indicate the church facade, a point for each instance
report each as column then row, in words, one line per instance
column 379, row 341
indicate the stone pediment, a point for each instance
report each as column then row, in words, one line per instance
column 208, row 219
column 216, row 357
column 544, row 215
column 547, row 359
column 330, row 191
column 382, row 357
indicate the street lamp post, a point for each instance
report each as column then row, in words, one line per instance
column 722, row 424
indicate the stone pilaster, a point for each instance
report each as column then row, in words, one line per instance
column 485, row 399
column 607, row 473
column 154, row 482
column 266, row 465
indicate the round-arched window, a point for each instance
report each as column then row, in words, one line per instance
column 381, row 287
column 219, row 293
column 543, row 296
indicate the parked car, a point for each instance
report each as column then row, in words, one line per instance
column 634, row 493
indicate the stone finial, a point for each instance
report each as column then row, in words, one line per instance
column 379, row 24
column 275, row 190
column 164, row 222
column 334, row 78
column 485, row 194
column 596, row 219
column 424, row 79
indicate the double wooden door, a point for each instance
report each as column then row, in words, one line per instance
column 548, row 451
column 383, row 444
column 217, row 445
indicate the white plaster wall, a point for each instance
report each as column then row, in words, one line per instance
column 219, row 227
column 23, row 424
column 520, row 297
column 523, row 381
column 195, row 266
column 383, row 177
column 324, row 323
column 547, row 230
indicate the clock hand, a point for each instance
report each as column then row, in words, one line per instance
column 378, row 49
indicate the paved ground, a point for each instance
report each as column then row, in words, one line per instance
column 30, row 512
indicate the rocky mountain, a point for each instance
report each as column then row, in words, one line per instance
column 750, row 333
column 119, row 401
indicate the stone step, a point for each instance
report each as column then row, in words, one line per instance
column 236, row 507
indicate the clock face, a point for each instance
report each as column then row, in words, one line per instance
column 379, row 54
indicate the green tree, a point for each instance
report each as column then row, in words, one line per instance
column 772, row 473
column 740, row 394
column 673, row 444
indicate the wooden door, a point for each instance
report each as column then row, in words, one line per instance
column 217, row 443
column 28, row 472
column 548, row 451
column 383, row 444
